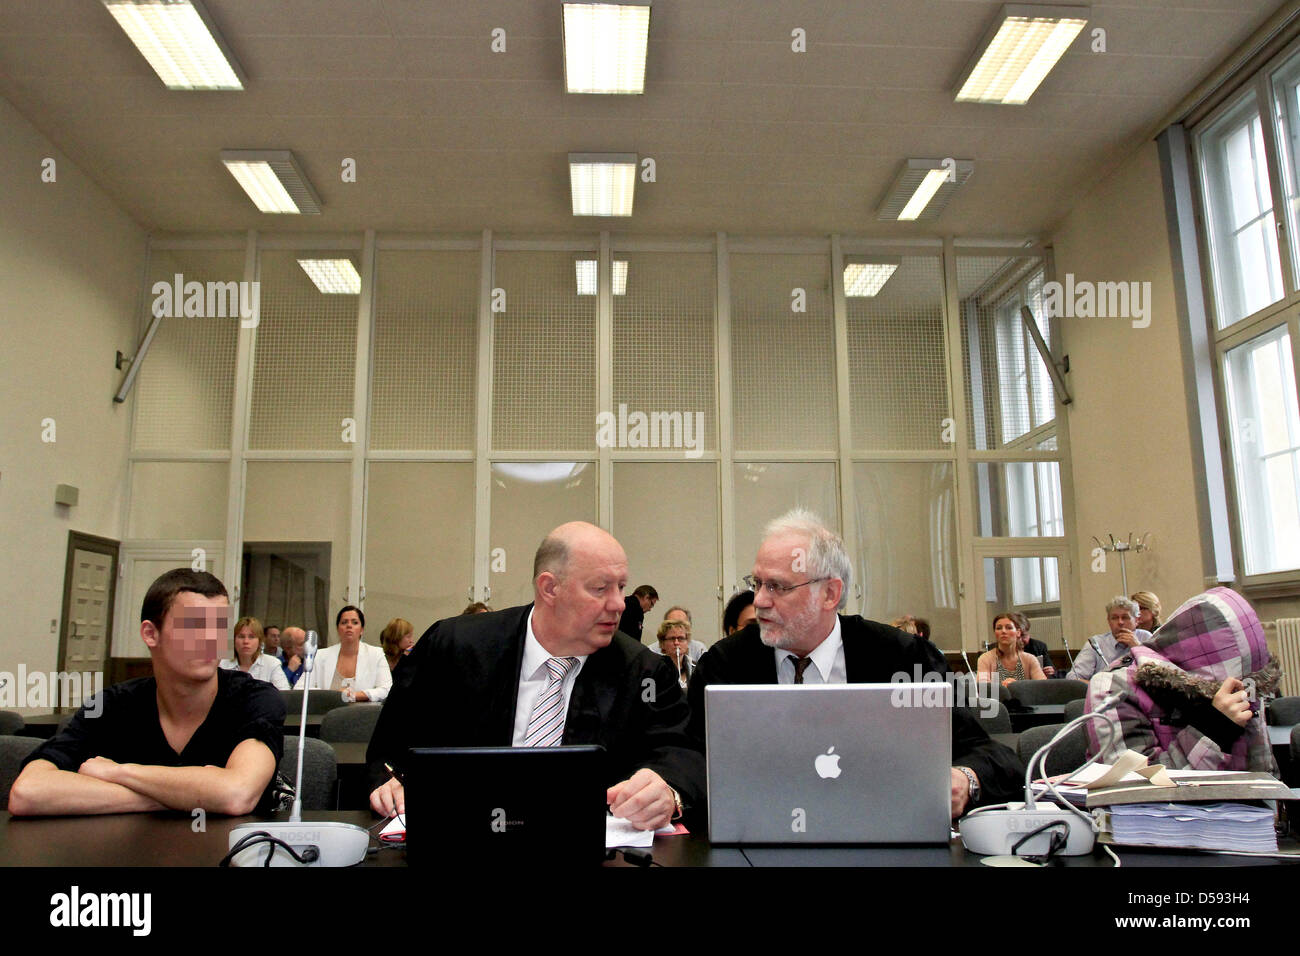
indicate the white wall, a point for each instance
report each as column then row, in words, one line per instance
column 70, row 269
column 1128, row 425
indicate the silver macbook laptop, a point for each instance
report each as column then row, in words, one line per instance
column 829, row 763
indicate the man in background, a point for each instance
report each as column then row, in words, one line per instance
column 292, row 640
column 635, row 608
column 1102, row 650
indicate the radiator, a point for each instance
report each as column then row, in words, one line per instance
column 1288, row 652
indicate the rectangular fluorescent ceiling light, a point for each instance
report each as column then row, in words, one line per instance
column 923, row 188
column 273, row 180
column 179, row 41
column 865, row 278
column 333, row 276
column 602, row 183
column 586, row 270
column 604, row 47
column 1018, row 51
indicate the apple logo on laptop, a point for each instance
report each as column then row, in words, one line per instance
column 828, row 765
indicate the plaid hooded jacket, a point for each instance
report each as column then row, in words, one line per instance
column 1167, row 686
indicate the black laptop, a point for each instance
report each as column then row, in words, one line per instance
column 489, row 806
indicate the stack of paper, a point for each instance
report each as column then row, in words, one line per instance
column 1202, row 826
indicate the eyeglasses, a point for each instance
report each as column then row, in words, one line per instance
column 683, row 639
column 775, row 588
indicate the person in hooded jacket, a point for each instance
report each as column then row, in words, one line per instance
column 1190, row 697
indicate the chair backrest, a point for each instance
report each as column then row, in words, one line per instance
column 352, row 724
column 13, row 750
column 11, row 722
column 320, row 772
column 1074, row 708
column 1067, row 755
column 1295, row 744
column 998, row 722
column 318, row 702
column 1034, row 692
column 1284, row 711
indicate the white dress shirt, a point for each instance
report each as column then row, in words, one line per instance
column 827, row 661
column 266, row 668
column 533, row 677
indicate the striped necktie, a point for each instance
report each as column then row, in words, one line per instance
column 546, row 725
column 800, row 665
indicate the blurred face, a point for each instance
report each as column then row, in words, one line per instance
column 647, row 603
column 291, row 641
column 1145, row 619
column 192, row 639
column 794, row 620
column 1120, row 620
column 675, row 642
column 584, row 603
column 1006, row 633
column 406, row 643
column 745, row 616
column 272, row 635
column 246, row 645
column 677, row 615
column 350, row 627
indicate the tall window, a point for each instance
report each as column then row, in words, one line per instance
column 1259, row 382
column 1025, row 390
column 1246, row 268
column 1247, row 152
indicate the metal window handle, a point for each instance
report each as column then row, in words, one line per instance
column 469, row 594
column 363, row 595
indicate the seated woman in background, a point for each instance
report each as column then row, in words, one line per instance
column 1148, row 616
column 1190, row 698
column 905, row 623
column 356, row 669
column 1007, row 663
column 674, row 641
column 249, row 657
column 397, row 639
column 478, row 607
column 739, row 612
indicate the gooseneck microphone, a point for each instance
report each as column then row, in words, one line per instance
column 294, row 843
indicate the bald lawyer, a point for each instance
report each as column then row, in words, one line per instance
column 555, row 671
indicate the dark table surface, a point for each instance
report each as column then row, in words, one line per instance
column 170, row 839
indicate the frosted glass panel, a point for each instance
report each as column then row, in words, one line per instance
column 419, row 541
column 184, row 392
column 898, row 372
column 528, row 500
column 907, row 544
column 304, row 363
column 666, row 518
column 782, row 353
column 307, row 503
column 766, row 490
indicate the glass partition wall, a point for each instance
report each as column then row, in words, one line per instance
column 403, row 439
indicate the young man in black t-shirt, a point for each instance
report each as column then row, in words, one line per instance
column 190, row 736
